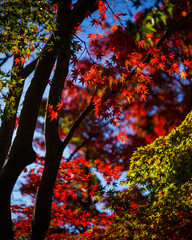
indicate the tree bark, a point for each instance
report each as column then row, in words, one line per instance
column 21, row 153
column 42, row 208
column 54, row 146
column 8, row 124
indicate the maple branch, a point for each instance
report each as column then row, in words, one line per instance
column 42, row 210
column 167, row 33
column 81, row 145
column 119, row 19
column 86, row 48
column 149, row 56
column 86, row 141
column 76, row 124
column 81, row 8
column 51, row 127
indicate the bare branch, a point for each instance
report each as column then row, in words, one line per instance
column 82, row 145
column 76, row 124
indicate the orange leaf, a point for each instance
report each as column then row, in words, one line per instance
column 22, row 61
column 149, row 35
column 183, row 74
column 114, row 27
column 184, row 14
column 122, row 137
column 161, row 66
column 99, row 36
column 59, row 106
column 187, row 63
column 92, row 37
column 116, row 16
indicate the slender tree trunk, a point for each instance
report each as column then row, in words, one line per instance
column 54, row 146
column 42, row 209
column 21, row 153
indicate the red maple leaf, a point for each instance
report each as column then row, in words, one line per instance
column 94, row 22
column 137, row 89
column 172, row 55
column 140, row 43
column 53, row 115
column 69, row 84
column 155, row 61
column 99, row 55
column 49, row 108
column 143, row 97
column 143, row 87
column 149, row 35
column 153, row 51
column 187, row 63
column 92, row 37
column 122, row 137
column 116, row 16
column 133, row 205
column 163, row 58
column 114, row 27
column 59, row 106
column 175, row 67
column 74, row 195
column 17, row 60
column 99, row 35
column 101, row 7
column 78, row 28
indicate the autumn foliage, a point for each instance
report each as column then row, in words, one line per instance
column 104, row 83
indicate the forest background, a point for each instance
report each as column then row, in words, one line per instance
column 83, row 85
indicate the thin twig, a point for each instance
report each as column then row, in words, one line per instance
column 85, row 48
column 118, row 18
column 76, row 124
column 81, row 145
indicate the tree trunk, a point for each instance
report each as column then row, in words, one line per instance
column 54, row 146
column 42, row 208
column 21, row 153
column 8, row 124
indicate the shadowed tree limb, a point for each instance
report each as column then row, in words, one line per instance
column 8, row 124
column 54, row 147
column 21, row 153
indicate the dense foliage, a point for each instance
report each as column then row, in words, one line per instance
column 105, row 82
column 162, row 171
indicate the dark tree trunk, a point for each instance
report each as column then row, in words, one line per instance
column 54, row 146
column 8, row 124
column 21, row 152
